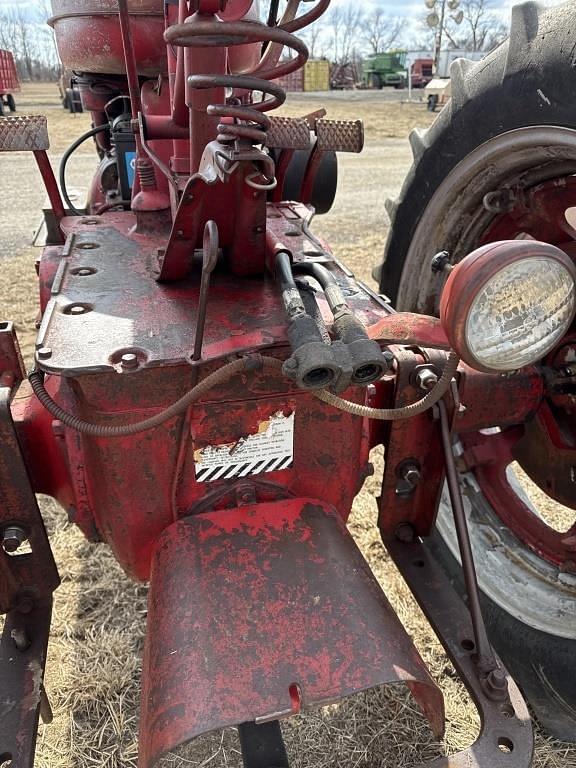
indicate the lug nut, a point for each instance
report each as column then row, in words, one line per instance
column 441, row 263
column 44, row 353
column 12, row 538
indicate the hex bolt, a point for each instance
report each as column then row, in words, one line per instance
column 12, row 538
column 411, row 474
column 405, row 533
column 129, row 361
column 44, row 353
column 426, row 379
column 496, row 684
column 441, row 263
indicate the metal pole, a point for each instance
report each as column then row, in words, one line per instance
column 438, row 44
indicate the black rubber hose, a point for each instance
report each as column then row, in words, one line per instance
column 327, row 281
column 66, row 156
column 290, row 294
column 347, row 327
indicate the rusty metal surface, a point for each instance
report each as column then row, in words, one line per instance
column 12, row 369
column 24, row 133
column 118, row 307
column 288, row 133
column 31, row 575
column 416, row 442
column 506, row 737
column 259, row 612
column 23, row 646
column 89, row 39
column 340, row 135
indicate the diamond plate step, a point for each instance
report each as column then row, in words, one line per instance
column 24, row 133
column 288, row 133
column 340, row 135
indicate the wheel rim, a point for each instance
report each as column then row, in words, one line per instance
column 455, row 218
column 515, row 186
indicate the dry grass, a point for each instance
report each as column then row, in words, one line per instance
column 97, row 635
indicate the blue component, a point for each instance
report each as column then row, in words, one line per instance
column 130, row 163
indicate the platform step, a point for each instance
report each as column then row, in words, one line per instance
column 340, row 135
column 24, row 133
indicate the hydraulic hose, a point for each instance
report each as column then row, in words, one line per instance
column 221, row 376
column 327, row 281
column 63, row 163
column 396, row 414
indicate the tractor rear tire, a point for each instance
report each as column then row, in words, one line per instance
column 527, row 81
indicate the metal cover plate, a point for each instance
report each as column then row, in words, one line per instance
column 106, row 301
column 245, row 604
column 109, row 278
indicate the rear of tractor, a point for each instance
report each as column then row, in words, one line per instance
column 209, row 381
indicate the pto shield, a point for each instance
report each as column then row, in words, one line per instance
column 260, row 611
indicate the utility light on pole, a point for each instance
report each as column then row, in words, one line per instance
column 435, row 20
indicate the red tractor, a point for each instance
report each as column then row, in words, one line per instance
column 209, row 381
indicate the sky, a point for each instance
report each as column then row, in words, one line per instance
column 411, row 9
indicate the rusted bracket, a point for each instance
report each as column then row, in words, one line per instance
column 22, row 698
column 28, row 577
column 506, row 738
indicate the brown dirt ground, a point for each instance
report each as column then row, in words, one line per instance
column 94, row 655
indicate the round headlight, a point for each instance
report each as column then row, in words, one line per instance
column 507, row 304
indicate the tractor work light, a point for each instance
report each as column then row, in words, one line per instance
column 508, row 303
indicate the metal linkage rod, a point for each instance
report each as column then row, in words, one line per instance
column 485, row 655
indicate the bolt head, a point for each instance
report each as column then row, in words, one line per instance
column 412, row 475
column 426, row 379
column 129, row 360
column 405, row 533
column 12, row 538
column 44, row 353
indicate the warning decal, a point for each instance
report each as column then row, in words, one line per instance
column 271, row 449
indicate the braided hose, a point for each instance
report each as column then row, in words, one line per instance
column 396, row 414
column 223, row 375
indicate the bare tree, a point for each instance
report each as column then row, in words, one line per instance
column 345, row 25
column 24, row 32
column 313, row 37
column 480, row 30
column 381, row 31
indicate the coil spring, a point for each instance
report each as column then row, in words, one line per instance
column 247, row 123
